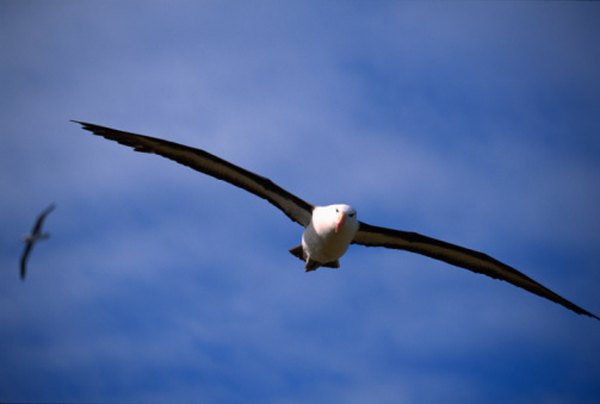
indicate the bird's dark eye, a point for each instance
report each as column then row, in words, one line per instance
column 337, row 210
column 352, row 214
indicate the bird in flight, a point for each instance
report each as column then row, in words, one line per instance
column 329, row 230
column 33, row 237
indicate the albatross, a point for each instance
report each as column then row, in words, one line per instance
column 328, row 230
column 33, row 237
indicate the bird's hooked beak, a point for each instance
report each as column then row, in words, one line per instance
column 340, row 221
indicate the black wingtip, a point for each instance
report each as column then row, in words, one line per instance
column 84, row 125
column 577, row 309
column 90, row 127
column 23, row 266
column 87, row 125
column 586, row 313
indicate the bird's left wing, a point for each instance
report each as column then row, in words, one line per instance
column 200, row 160
column 374, row 236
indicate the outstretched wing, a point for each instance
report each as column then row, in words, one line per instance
column 374, row 236
column 25, row 257
column 295, row 208
column 37, row 228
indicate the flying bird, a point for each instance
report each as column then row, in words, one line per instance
column 33, row 237
column 329, row 230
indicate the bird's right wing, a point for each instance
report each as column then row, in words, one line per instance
column 40, row 219
column 295, row 208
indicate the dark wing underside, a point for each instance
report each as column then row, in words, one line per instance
column 295, row 208
column 374, row 236
column 24, row 258
column 37, row 228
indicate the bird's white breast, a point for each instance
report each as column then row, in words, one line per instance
column 321, row 242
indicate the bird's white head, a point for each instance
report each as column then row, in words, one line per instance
column 340, row 218
column 345, row 217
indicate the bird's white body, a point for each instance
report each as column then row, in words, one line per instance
column 329, row 233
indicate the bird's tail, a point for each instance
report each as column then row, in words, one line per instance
column 311, row 265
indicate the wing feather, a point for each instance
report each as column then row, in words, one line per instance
column 475, row 261
column 295, row 208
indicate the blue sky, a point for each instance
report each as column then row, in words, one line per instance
column 475, row 122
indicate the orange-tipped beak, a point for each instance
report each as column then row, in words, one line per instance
column 339, row 222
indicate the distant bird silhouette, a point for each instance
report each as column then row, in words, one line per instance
column 35, row 236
